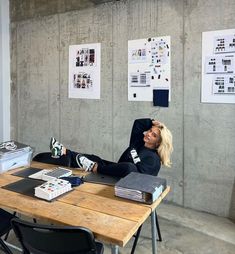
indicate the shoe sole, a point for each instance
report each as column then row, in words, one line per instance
column 52, row 142
column 77, row 160
column 55, row 156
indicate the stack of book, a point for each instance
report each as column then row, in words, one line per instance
column 14, row 154
column 140, row 187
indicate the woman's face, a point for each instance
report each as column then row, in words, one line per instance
column 152, row 137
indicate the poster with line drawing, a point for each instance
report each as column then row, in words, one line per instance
column 224, row 84
column 218, row 66
column 224, row 44
column 84, row 71
column 148, row 67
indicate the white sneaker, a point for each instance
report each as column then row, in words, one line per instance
column 52, row 142
column 84, row 162
column 56, row 148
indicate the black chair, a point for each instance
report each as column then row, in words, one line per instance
column 46, row 158
column 47, row 239
column 138, row 234
column 5, row 227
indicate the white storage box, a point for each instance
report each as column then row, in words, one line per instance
column 13, row 155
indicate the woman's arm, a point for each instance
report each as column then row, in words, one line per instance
column 149, row 165
column 139, row 126
column 149, row 162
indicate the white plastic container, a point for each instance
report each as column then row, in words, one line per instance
column 19, row 157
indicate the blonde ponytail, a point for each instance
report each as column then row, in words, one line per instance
column 165, row 148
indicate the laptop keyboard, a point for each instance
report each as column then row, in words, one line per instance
column 48, row 175
column 57, row 173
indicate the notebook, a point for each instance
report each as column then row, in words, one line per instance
column 26, row 172
column 24, row 186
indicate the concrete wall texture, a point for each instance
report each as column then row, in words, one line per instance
column 202, row 176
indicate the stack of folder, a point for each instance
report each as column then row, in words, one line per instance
column 140, row 187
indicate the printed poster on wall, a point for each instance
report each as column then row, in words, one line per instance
column 148, row 67
column 218, row 66
column 84, row 71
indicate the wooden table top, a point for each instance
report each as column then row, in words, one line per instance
column 112, row 220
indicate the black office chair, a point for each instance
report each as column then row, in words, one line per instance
column 47, row 239
column 46, row 158
column 5, row 227
column 136, row 236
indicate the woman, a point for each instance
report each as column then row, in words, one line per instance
column 150, row 147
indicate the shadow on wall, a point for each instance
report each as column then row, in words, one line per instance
column 232, row 204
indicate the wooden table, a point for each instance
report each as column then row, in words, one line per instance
column 113, row 220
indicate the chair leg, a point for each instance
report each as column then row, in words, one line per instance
column 6, row 235
column 5, row 247
column 136, row 239
column 158, row 228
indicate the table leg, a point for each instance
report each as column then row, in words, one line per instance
column 114, row 249
column 154, row 233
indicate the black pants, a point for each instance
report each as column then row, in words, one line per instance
column 120, row 169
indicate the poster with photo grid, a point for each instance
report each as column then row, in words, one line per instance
column 84, row 71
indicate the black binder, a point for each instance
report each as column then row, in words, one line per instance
column 140, row 187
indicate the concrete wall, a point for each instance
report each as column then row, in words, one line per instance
column 4, row 71
column 202, row 176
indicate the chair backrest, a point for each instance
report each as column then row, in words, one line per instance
column 42, row 239
column 46, row 158
column 5, row 221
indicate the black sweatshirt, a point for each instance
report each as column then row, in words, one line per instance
column 150, row 162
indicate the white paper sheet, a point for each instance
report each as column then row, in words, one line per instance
column 148, row 67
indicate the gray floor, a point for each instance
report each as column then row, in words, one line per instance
column 184, row 231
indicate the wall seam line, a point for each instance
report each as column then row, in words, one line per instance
column 112, row 6
column 59, row 95
column 183, row 73
column 17, row 86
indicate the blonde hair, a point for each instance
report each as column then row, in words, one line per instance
column 165, row 147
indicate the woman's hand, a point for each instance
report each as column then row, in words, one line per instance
column 157, row 123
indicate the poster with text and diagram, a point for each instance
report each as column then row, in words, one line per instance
column 149, row 62
column 84, row 71
column 218, row 66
